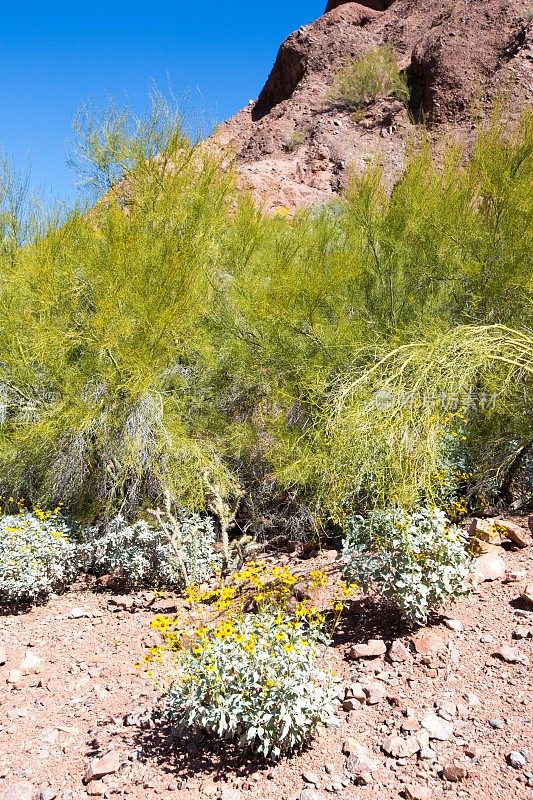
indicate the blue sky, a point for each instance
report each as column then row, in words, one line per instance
column 56, row 55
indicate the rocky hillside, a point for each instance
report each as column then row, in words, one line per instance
column 294, row 148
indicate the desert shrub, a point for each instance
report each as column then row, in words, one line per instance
column 105, row 405
column 292, row 141
column 177, row 340
column 375, row 74
column 37, row 556
column 256, row 681
column 416, row 560
column 174, row 550
column 250, row 672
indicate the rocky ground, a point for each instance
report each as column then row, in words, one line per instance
column 442, row 711
column 293, row 148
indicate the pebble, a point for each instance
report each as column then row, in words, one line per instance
column 3, row 655
column 455, row 773
column 437, row 727
column 311, row 777
column 516, row 759
column 497, row 724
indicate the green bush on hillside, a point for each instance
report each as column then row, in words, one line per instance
column 373, row 75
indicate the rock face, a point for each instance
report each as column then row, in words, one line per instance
column 295, row 149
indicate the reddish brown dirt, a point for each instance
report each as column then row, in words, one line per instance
column 87, row 699
column 459, row 55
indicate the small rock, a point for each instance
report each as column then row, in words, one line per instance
column 414, row 792
column 513, row 532
column 31, row 663
column 355, row 692
column 106, row 765
column 484, row 530
column 79, row 613
column 14, row 676
column 398, row 652
column 374, row 692
column 359, row 762
column 400, row 747
column 372, row 649
column 455, row 773
column 350, row 746
column 308, row 794
column 490, row 567
column 228, row 793
column 124, row 602
column 510, row 655
column 3, row 655
column 515, row 575
column 311, row 777
column 437, row 727
column 410, row 726
column 521, row 632
column 428, row 644
column 46, row 793
column 516, row 759
column 497, row 724
column 527, row 594
column 454, row 625
column 18, row 791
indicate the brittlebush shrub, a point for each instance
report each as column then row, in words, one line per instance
column 255, row 678
column 417, row 561
column 38, row 556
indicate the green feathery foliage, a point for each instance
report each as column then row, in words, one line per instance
column 175, row 339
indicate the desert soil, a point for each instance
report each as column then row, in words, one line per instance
column 448, row 705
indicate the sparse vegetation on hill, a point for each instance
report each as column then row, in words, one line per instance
column 361, row 82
